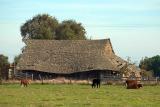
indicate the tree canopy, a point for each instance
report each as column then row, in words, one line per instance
column 151, row 64
column 40, row 27
column 70, row 30
column 47, row 27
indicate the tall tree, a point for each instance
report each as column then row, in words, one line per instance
column 151, row 64
column 40, row 27
column 4, row 64
column 47, row 27
column 70, row 30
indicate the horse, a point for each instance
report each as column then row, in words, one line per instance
column 133, row 84
column 96, row 82
column 24, row 82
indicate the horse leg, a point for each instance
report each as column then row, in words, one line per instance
column 26, row 84
column 92, row 85
column 99, row 85
column 21, row 84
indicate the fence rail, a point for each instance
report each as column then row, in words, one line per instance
column 23, row 76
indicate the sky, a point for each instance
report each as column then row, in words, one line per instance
column 132, row 25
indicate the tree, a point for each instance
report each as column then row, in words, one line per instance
column 148, row 74
column 47, row 27
column 151, row 64
column 70, row 30
column 4, row 64
column 40, row 27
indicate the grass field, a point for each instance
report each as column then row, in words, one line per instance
column 36, row 95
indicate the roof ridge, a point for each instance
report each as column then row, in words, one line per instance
column 66, row 40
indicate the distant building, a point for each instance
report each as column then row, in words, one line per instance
column 74, row 59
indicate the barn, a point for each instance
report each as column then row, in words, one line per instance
column 72, row 59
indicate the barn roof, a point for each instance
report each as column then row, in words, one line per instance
column 69, row 56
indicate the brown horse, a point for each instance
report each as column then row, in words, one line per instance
column 24, row 82
column 133, row 84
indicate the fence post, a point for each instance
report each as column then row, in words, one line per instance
column 41, row 78
column 26, row 75
column 88, row 80
column 32, row 76
column 70, row 80
column 156, row 80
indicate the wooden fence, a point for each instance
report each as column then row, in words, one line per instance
column 23, row 76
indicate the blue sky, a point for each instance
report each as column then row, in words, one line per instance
column 132, row 25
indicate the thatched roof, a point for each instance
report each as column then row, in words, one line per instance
column 69, row 56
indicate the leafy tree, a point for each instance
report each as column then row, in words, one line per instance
column 40, row 27
column 151, row 64
column 148, row 74
column 47, row 27
column 70, row 30
column 4, row 64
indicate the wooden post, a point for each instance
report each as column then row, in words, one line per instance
column 26, row 75
column 14, row 67
column 88, row 80
column 156, row 80
column 69, row 80
column 32, row 76
column 41, row 79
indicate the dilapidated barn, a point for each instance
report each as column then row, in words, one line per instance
column 74, row 59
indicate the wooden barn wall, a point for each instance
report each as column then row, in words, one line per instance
column 76, row 76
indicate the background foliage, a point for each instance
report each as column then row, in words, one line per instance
column 44, row 26
column 151, row 64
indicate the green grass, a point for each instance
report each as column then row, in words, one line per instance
column 36, row 95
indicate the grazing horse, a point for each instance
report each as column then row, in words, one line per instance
column 24, row 82
column 133, row 84
column 140, row 85
column 96, row 82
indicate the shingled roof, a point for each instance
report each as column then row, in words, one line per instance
column 69, row 56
